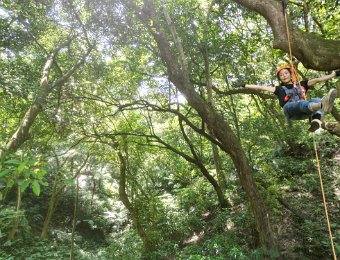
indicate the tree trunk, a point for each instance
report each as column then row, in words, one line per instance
column 221, row 178
column 51, row 208
column 217, row 159
column 56, row 192
column 93, row 193
column 216, row 124
column 21, row 134
column 74, row 220
column 14, row 230
column 45, row 88
column 220, row 195
column 313, row 51
column 149, row 247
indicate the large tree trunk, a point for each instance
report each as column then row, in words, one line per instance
column 313, row 51
column 232, row 146
column 217, row 159
column 45, row 88
column 219, row 128
column 21, row 134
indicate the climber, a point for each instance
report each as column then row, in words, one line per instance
column 292, row 96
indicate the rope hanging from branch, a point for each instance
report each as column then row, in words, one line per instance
column 295, row 78
column 324, row 197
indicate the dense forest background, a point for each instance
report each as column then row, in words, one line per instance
column 122, row 137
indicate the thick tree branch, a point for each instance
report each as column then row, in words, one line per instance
column 145, row 104
column 45, row 88
column 313, row 51
column 59, row 82
column 214, row 121
column 21, row 134
column 244, row 91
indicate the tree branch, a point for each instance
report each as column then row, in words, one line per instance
column 314, row 52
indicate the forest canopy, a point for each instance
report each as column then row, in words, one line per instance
column 122, row 136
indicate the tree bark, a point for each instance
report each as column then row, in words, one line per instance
column 51, row 209
column 216, row 124
column 194, row 160
column 45, row 88
column 14, row 230
column 74, row 219
column 313, row 51
column 205, row 52
column 220, row 195
column 217, row 159
column 149, row 247
column 21, row 134
column 56, row 192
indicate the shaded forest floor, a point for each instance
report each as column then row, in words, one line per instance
column 297, row 215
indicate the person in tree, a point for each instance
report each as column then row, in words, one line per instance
column 292, row 96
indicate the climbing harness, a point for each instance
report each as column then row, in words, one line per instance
column 295, row 79
column 298, row 92
column 295, row 94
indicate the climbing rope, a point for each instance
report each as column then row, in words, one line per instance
column 295, row 78
column 295, row 75
column 324, row 197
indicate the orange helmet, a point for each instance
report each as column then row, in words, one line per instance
column 278, row 69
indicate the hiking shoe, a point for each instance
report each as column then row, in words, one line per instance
column 328, row 100
column 315, row 124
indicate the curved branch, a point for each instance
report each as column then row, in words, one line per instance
column 127, row 203
column 222, row 200
column 145, row 104
column 244, row 91
column 45, row 88
column 313, row 51
column 216, row 124
column 67, row 75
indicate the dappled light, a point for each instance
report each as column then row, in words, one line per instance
column 173, row 129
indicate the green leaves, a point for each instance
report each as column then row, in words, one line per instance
column 24, row 172
column 4, row 172
column 36, row 187
column 24, row 185
column 70, row 182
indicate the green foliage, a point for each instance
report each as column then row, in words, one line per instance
column 218, row 246
column 315, row 237
column 104, row 108
column 119, row 250
column 35, row 249
column 7, row 219
column 193, row 198
column 319, row 10
column 223, row 246
column 22, row 171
